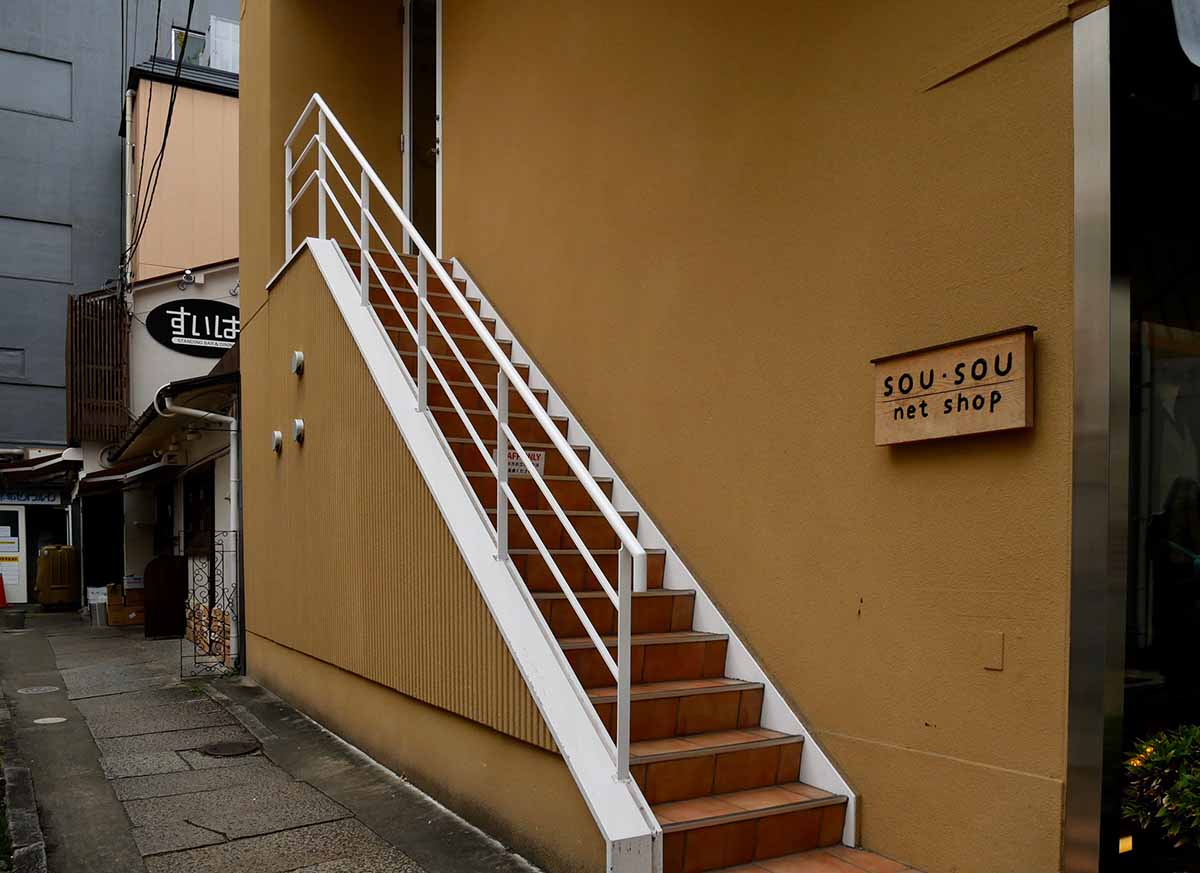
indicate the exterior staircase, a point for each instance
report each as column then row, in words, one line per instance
column 724, row 789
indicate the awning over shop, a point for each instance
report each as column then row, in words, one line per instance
column 154, row 431
column 44, row 473
column 118, row 476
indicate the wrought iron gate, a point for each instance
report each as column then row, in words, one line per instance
column 211, row 643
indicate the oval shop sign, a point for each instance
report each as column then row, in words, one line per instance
column 204, row 328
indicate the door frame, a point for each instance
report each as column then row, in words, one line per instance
column 1099, row 487
column 406, row 200
column 22, row 544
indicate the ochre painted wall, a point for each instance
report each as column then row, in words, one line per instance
column 354, row 586
column 193, row 219
column 703, row 221
column 520, row 795
column 359, row 607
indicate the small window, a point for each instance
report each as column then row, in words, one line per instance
column 189, row 43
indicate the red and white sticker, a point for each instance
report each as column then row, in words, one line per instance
column 516, row 467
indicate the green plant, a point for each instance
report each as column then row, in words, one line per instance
column 1162, row 785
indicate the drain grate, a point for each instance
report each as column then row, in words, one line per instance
column 230, row 748
column 38, row 689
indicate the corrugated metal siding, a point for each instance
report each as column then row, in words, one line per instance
column 347, row 557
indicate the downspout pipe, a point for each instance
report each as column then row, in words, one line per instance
column 169, row 409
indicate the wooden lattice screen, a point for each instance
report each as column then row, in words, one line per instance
column 97, row 367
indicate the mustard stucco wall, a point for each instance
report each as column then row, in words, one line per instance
column 703, row 221
column 193, row 219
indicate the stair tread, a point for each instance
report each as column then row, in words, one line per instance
column 486, row 474
column 489, row 414
column 601, row 595
column 715, row 809
column 395, row 328
column 656, row 638
column 527, row 444
column 445, row 262
column 438, row 356
column 574, row 551
column 411, row 310
column 713, row 742
column 673, row 688
column 435, row 289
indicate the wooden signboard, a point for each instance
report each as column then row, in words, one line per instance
column 975, row 385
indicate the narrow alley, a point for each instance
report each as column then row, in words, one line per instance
column 136, row 769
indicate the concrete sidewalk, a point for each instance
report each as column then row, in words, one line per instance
column 123, row 782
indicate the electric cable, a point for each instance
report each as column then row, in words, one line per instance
column 156, row 166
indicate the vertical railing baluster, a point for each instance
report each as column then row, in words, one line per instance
column 287, row 202
column 624, row 627
column 422, row 331
column 321, row 174
column 501, row 465
column 364, row 237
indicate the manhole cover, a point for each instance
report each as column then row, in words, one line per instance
column 38, row 689
column 230, row 748
column 54, row 719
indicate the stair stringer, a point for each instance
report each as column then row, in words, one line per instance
column 632, row 834
column 816, row 767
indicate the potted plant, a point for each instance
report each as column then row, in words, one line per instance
column 1162, row 790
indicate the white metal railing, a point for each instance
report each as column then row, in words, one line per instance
column 631, row 559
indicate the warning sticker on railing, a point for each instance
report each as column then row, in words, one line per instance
column 516, row 467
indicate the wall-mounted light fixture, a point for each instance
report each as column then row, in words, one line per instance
column 298, row 362
column 298, row 430
column 276, row 441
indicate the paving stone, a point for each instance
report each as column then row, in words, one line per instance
column 173, row 837
column 240, row 810
column 258, row 771
column 141, row 764
column 172, row 741
column 200, row 761
column 191, row 714
column 113, row 704
column 85, row 687
column 24, row 828
column 284, row 851
column 30, row 859
column 387, row 861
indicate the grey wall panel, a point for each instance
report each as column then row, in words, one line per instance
column 35, row 418
column 65, row 172
column 38, row 250
column 35, row 84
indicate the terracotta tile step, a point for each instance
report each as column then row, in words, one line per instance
column 440, row 299
column 592, row 527
column 658, row 609
column 567, row 490
column 658, row 657
column 470, row 345
column 485, row 369
column 672, row 709
column 579, row 576
column 835, row 859
column 382, row 257
column 456, row 322
column 741, row 827
column 554, row 464
column 522, row 424
column 715, row 763
column 468, row 395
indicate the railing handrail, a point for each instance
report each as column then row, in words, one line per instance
column 632, row 557
column 628, row 539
